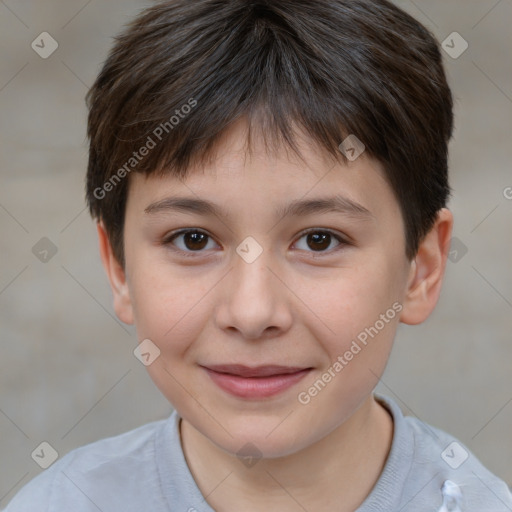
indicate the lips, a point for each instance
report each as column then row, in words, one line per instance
column 258, row 371
column 255, row 383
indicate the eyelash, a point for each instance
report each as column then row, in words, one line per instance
column 191, row 254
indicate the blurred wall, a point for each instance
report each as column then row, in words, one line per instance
column 68, row 375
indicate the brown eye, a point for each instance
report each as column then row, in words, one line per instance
column 190, row 240
column 320, row 241
column 195, row 240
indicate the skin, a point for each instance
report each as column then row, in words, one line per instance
column 295, row 305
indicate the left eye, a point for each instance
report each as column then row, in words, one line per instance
column 319, row 240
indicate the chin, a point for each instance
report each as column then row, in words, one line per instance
column 261, row 438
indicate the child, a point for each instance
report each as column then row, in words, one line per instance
column 230, row 140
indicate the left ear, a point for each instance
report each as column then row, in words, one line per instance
column 427, row 271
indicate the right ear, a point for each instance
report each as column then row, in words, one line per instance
column 116, row 276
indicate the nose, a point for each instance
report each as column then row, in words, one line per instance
column 254, row 299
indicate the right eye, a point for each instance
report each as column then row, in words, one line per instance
column 191, row 241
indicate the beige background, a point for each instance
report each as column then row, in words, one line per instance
column 68, row 375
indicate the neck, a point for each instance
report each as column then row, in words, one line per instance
column 341, row 468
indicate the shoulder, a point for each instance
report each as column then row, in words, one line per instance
column 105, row 472
column 444, row 470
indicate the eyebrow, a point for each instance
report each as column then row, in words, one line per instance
column 300, row 207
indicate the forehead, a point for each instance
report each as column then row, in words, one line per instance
column 240, row 176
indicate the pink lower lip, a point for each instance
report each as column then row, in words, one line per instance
column 256, row 387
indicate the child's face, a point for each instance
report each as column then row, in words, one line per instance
column 302, row 302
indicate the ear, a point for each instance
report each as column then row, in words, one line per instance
column 116, row 276
column 427, row 271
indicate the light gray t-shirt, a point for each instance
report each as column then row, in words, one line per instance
column 427, row 470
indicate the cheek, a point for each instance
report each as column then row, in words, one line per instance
column 170, row 311
column 349, row 301
column 167, row 308
column 359, row 312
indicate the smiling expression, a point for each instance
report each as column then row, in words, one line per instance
column 325, row 258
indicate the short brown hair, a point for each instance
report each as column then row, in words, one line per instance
column 184, row 70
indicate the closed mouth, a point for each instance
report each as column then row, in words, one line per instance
column 255, row 371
